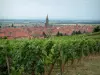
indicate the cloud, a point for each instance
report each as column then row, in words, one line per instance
column 75, row 9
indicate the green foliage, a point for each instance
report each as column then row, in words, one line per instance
column 76, row 32
column 12, row 25
column 96, row 29
column 5, row 37
column 27, row 57
column 59, row 34
column 15, row 72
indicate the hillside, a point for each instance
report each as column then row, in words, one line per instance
column 66, row 55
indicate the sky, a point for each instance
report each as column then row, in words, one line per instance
column 56, row 9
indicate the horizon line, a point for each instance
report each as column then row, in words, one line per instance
column 44, row 19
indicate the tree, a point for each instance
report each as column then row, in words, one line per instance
column 84, row 32
column 44, row 35
column 76, row 32
column 12, row 25
column 96, row 29
column 5, row 37
column 59, row 34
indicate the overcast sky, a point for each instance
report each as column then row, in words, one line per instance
column 56, row 9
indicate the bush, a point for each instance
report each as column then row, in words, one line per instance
column 5, row 37
column 59, row 34
column 96, row 29
column 76, row 32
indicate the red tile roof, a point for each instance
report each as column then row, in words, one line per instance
column 31, row 31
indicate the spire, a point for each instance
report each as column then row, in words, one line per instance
column 47, row 21
column 47, row 16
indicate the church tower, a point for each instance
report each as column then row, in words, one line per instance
column 47, row 21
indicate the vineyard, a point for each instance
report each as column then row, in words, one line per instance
column 43, row 56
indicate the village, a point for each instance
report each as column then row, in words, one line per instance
column 14, row 32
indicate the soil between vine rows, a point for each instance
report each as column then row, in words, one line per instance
column 89, row 66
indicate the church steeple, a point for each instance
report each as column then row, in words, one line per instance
column 47, row 21
column 47, row 16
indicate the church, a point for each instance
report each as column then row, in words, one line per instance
column 47, row 21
